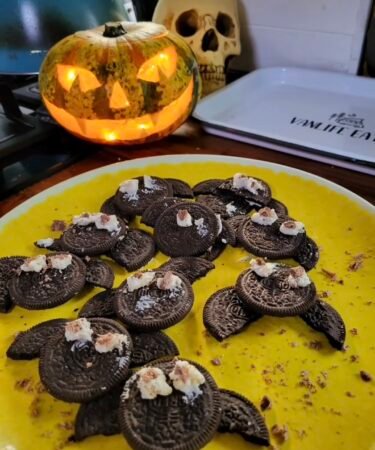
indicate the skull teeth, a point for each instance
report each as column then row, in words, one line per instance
column 210, row 68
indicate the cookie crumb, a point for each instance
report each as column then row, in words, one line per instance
column 26, row 384
column 349, row 394
column 225, row 345
column 354, row 332
column 365, row 376
column 34, row 407
column 58, row 225
column 216, row 362
column 265, row 403
column 325, row 294
column 65, row 426
column 356, row 263
column 282, row 331
column 280, row 432
column 332, row 276
column 301, row 434
column 198, row 353
column 354, row 358
column 316, row 345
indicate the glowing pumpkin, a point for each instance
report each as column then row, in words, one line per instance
column 122, row 83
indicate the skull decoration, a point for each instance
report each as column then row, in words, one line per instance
column 210, row 27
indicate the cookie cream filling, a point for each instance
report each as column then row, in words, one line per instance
column 292, row 227
column 265, row 216
column 111, row 341
column 262, row 268
column 218, row 217
column 152, row 382
column 140, row 280
column 108, row 222
column 201, row 227
column 298, row 277
column 45, row 243
column 230, row 208
column 78, row 330
column 149, row 183
column 241, row 181
column 35, row 264
column 184, row 218
column 129, row 188
column 187, row 379
column 169, row 282
column 60, row 262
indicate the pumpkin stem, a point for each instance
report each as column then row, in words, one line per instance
column 113, row 29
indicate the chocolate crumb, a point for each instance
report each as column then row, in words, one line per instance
column 198, row 353
column 225, row 345
column 265, row 403
column 349, row 394
column 293, row 344
column 58, row 225
column 332, row 276
column 34, row 407
column 354, row 358
column 324, row 294
column 26, row 384
column 316, row 345
column 280, row 432
column 282, row 331
column 65, row 426
column 216, row 362
column 365, row 376
column 354, row 332
column 321, row 383
column 301, row 434
column 356, row 263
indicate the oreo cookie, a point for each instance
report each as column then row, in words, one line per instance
column 8, row 268
column 279, row 207
column 27, row 344
column 207, row 186
column 249, row 188
column 214, row 251
column 135, row 250
column 180, row 188
column 109, row 207
column 152, row 301
column 99, row 416
column 307, row 254
column 47, row 281
column 324, row 318
column 273, row 294
column 150, row 346
column 224, row 314
column 99, row 273
column 93, row 234
column 224, row 205
column 134, row 196
column 239, row 415
column 227, row 235
column 192, row 267
column 151, row 213
column 90, row 359
column 176, row 419
column 100, row 305
column 267, row 240
column 186, row 230
column 235, row 224
column 53, row 245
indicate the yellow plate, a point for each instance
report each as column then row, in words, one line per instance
column 335, row 411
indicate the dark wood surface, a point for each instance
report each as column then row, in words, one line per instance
column 191, row 139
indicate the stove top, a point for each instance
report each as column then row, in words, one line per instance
column 32, row 145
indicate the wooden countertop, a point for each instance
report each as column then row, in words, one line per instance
column 191, row 139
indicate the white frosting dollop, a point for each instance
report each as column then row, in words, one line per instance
column 101, row 221
column 149, row 182
column 169, row 282
column 78, row 330
column 184, row 218
column 292, row 227
column 45, row 243
column 241, row 181
column 187, row 379
column 265, row 216
column 262, row 268
column 139, row 280
column 152, row 382
column 110, row 341
column 130, row 189
column 35, row 264
column 61, row 261
column 298, row 277
column 230, row 208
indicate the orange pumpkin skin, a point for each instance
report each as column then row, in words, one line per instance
column 132, row 88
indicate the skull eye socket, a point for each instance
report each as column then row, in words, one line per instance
column 187, row 23
column 225, row 25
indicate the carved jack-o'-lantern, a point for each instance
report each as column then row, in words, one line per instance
column 121, row 83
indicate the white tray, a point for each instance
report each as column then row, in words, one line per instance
column 319, row 115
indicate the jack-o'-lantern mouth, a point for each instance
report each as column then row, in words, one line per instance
column 122, row 130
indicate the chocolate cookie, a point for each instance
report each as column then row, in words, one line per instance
column 323, row 317
column 259, row 194
column 150, row 308
column 224, row 205
column 241, row 416
column 88, row 240
column 224, row 314
column 180, row 188
column 186, row 230
column 8, row 268
column 135, row 250
column 235, row 223
column 150, row 346
column 132, row 202
column 100, row 305
column 99, row 273
column 207, row 186
column 79, row 370
column 53, row 245
column 192, row 267
column 267, row 241
column 173, row 421
column 49, row 287
column 109, row 207
column 214, row 251
column 227, row 235
column 307, row 254
column 151, row 213
column 273, row 294
column 27, row 344
column 279, row 207
column 99, row 416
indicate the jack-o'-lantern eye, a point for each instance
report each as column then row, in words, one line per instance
column 118, row 99
column 67, row 75
column 165, row 62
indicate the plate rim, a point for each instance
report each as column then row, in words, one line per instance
column 173, row 159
